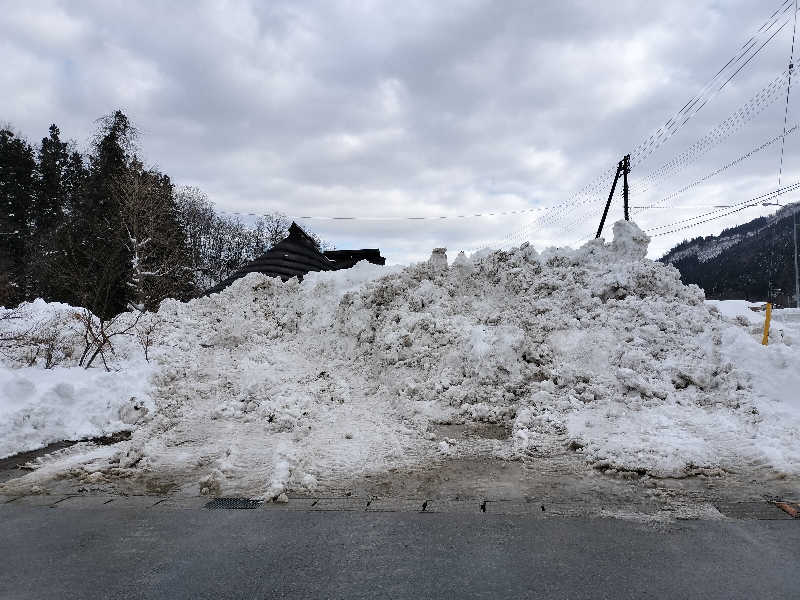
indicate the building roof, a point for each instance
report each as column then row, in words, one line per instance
column 345, row 259
column 297, row 255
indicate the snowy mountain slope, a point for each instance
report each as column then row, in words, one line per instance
column 742, row 262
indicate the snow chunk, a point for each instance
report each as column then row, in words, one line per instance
column 438, row 259
column 630, row 242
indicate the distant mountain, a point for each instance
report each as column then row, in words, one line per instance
column 753, row 261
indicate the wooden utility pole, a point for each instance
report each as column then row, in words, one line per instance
column 626, row 168
column 796, row 276
column 623, row 168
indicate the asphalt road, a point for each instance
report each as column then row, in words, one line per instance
column 197, row 553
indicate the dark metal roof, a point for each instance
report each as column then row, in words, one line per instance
column 297, row 255
column 345, row 259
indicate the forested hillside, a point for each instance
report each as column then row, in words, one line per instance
column 753, row 261
column 104, row 231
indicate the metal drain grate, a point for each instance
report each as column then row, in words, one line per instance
column 232, row 504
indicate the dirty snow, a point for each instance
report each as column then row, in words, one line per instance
column 270, row 386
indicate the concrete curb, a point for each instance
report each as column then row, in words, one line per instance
column 760, row 510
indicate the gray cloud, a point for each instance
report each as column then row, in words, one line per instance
column 387, row 109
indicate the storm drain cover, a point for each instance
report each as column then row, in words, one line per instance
column 232, row 503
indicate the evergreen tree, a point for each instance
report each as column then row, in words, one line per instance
column 48, row 211
column 61, row 250
column 100, row 259
column 108, row 234
column 74, row 180
column 17, row 165
column 51, row 200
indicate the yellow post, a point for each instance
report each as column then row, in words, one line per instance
column 765, row 339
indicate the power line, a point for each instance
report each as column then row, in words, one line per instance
column 695, row 104
column 716, row 135
column 745, row 113
column 777, row 31
column 788, row 90
column 640, row 209
column 580, row 219
column 721, row 169
column 724, row 209
column 587, row 195
column 733, row 208
column 686, row 206
column 393, row 218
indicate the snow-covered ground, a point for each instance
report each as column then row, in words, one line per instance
column 41, row 405
column 270, row 386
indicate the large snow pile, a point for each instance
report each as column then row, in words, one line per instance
column 272, row 385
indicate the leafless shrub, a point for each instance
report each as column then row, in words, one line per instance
column 51, row 339
column 6, row 319
column 146, row 332
column 217, row 246
column 52, row 342
column 98, row 333
column 152, row 237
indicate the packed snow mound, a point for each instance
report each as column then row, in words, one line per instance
column 45, row 397
column 269, row 386
column 39, row 407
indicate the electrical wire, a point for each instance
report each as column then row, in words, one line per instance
column 586, row 197
column 686, row 206
column 646, row 148
column 421, row 218
column 725, row 209
column 733, row 208
column 755, row 105
column 715, row 136
column 788, row 90
column 724, row 130
column 708, row 92
column 716, row 172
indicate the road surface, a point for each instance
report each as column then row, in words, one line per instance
column 90, row 549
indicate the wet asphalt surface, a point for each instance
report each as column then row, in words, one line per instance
column 468, row 529
column 90, row 547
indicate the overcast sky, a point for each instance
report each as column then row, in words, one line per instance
column 393, row 109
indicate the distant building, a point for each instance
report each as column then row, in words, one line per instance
column 297, row 255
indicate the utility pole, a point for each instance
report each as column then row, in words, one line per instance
column 626, row 168
column 783, row 144
column 796, row 278
column 623, row 168
column 794, row 235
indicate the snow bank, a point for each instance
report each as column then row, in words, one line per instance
column 738, row 308
column 269, row 385
column 38, row 406
column 45, row 397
